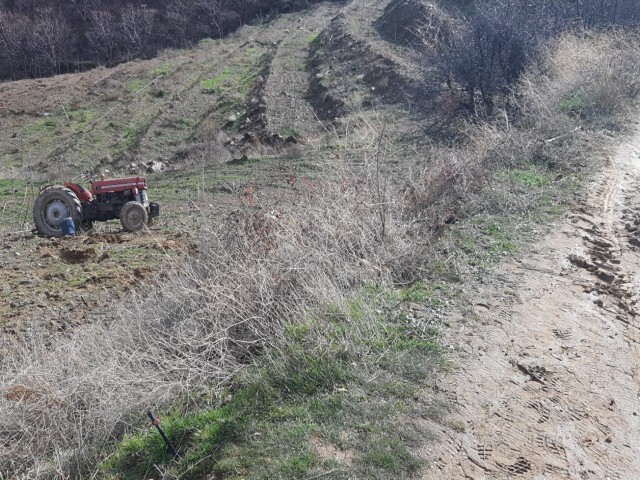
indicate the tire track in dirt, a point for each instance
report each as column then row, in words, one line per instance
column 550, row 389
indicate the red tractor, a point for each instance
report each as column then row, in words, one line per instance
column 123, row 198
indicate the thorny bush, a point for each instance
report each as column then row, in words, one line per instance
column 257, row 271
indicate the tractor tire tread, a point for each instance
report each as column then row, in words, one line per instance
column 49, row 194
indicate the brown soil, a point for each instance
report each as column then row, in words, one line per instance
column 415, row 24
column 547, row 385
column 59, row 284
column 353, row 69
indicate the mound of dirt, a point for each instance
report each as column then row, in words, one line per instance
column 348, row 73
column 415, row 23
column 254, row 125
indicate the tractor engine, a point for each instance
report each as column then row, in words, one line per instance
column 110, row 196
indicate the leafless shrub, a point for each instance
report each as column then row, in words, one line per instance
column 584, row 85
column 260, row 269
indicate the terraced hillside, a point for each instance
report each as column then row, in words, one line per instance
column 206, row 126
column 256, row 85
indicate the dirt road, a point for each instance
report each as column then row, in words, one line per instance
column 548, row 382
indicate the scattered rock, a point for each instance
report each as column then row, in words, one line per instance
column 155, row 166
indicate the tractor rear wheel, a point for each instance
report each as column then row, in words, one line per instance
column 133, row 216
column 53, row 205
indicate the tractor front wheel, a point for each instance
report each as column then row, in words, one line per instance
column 53, row 205
column 133, row 216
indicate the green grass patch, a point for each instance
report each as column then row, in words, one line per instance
column 207, row 41
column 484, row 239
column 236, row 79
column 291, row 132
column 387, row 456
column 551, row 206
column 526, row 179
column 134, row 86
column 530, row 178
column 502, row 238
column 81, row 118
column 205, row 430
column 576, row 103
column 45, row 124
column 163, row 70
column 214, row 85
column 132, row 135
column 331, row 400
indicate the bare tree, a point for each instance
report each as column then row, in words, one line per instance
column 178, row 21
column 85, row 8
column 50, row 36
column 102, row 34
column 214, row 14
column 15, row 47
column 136, row 25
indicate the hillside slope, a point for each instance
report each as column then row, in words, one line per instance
column 318, row 259
column 252, row 89
column 206, row 126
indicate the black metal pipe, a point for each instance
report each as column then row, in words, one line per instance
column 156, row 423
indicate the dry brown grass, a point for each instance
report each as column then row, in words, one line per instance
column 590, row 76
column 560, row 117
column 259, row 270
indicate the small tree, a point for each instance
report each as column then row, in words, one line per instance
column 103, row 34
column 51, row 39
column 487, row 59
column 136, row 25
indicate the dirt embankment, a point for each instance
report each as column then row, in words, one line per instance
column 549, row 361
column 352, row 71
column 416, row 24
